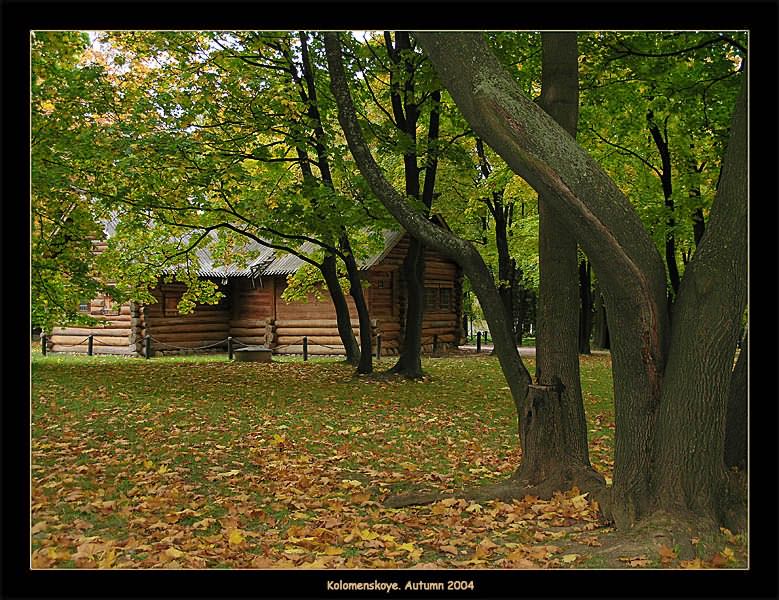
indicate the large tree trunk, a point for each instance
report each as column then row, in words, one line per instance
column 559, row 454
column 689, row 472
column 608, row 229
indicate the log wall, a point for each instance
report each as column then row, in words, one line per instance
column 174, row 333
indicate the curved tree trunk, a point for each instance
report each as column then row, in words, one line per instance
column 449, row 245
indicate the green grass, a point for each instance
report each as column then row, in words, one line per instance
column 124, row 447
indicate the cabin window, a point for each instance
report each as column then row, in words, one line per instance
column 431, row 298
column 445, row 299
column 170, row 305
column 83, row 306
column 109, row 308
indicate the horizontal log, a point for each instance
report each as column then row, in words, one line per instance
column 104, row 331
column 248, row 323
column 160, row 320
column 444, row 323
column 312, row 349
column 439, row 331
column 213, row 336
column 187, row 344
column 189, row 328
column 250, row 340
column 239, row 331
column 300, row 331
column 315, row 339
column 97, row 340
column 124, row 350
column 309, row 323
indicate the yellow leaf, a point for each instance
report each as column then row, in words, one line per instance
column 174, row 553
column 228, row 474
column 367, row 534
column 332, row 551
column 235, row 537
column 108, row 559
column 163, row 469
column 691, row 564
column 408, row 547
column 474, row 508
column 146, row 407
column 148, row 464
column 279, row 440
column 580, row 502
column 569, row 558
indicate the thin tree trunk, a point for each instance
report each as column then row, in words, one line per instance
column 365, row 364
column 585, row 306
column 661, row 143
column 343, row 319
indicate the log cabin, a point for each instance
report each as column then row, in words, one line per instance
column 253, row 312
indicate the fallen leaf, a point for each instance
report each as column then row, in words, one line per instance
column 174, row 553
column 569, row 558
column 235, row 537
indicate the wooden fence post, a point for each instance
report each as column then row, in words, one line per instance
column 147, row 346
column 435, row 343
column 378, row 346
column 305, row 347
column 229, row 348
column 44, row 343
column 90, row 344
column 478, row 341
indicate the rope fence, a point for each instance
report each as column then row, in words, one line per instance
column 229, row 342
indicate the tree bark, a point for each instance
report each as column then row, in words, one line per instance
column 690, row 432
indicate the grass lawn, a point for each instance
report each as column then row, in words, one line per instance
column 195, row 462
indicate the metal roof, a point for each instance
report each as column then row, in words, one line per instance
column 268, row 260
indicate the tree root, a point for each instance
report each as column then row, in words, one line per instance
column 585, row 480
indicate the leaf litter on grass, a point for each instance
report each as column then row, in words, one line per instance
column 281, row 465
